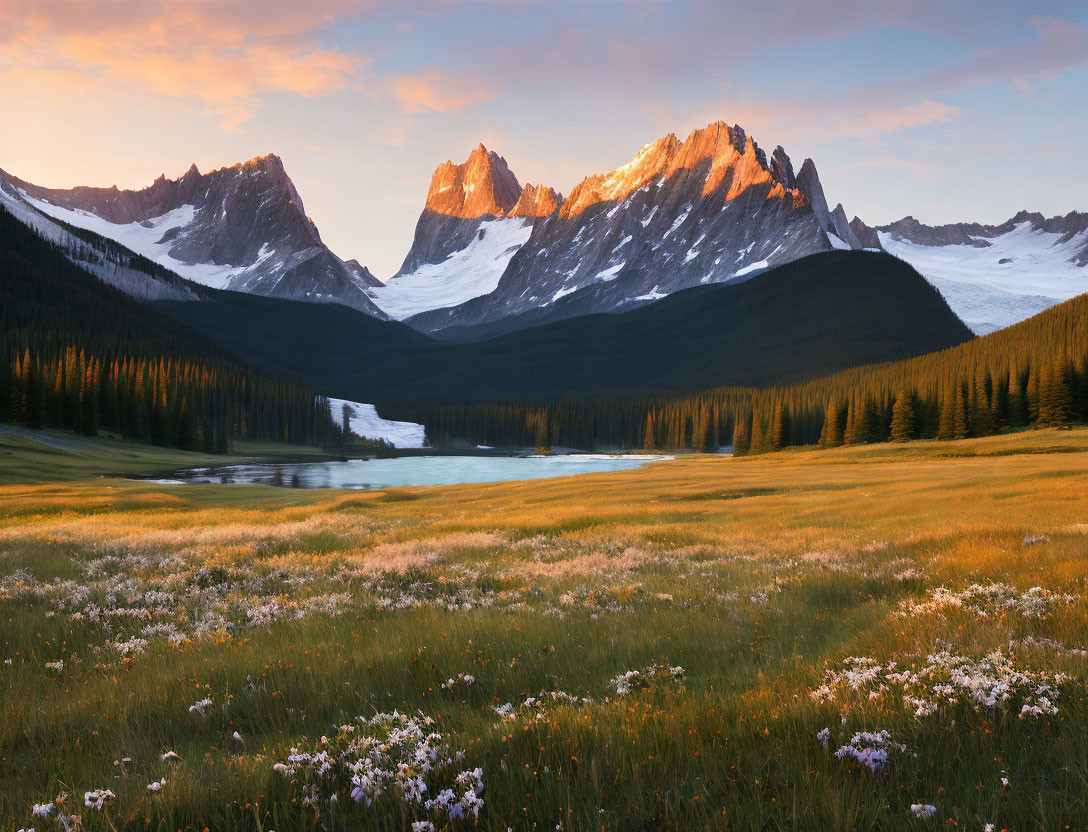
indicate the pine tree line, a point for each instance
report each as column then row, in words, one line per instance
column 76, row 353
column 165, row 401
column 1033, row 374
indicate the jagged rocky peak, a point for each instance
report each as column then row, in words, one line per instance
column 241, row 227
column 782, row 168
column 481, row 185
column 723, row 155
column 834, row 224
column 536, row 201
column 647, row 165
column 865, row 234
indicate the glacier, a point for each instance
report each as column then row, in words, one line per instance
column 147, row 238
column 467, row 273
column 1017, row 275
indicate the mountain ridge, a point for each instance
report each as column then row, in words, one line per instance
column 242, row 226
column 708, row 209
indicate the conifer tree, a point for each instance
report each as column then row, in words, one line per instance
column 649, row 441
column 1055, row 400
column 778, row 436
column 902, row 426
column 757, row 443
column 858, row 428
column 740, row 436
column 831, row 432
column 960, row 423
column 946, row 428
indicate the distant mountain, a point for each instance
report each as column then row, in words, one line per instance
column 710, row 209
column 809, row 317
column 78, row 353
column 242, row 228
column 106, row 259
column 475, row 218
column 993, row 275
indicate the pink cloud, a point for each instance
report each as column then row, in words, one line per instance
column 224, row 55
column 437, row 90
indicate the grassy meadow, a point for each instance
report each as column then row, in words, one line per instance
column 880, row 637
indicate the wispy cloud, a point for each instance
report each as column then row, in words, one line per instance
column 223, row 55
column 440, row 91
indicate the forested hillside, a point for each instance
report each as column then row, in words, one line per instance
column 1032, row 374
column 77, row 353
column 807, row 318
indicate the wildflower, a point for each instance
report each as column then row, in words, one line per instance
column 58, row 665
column 823, row 736
column 871, row 750
column 991, row 682
column 462, row 680
column 237, row 737
column 157, row 785
column 170, row 755
column 923, row 810
column 98, row 799
column 422, row 826
column 624, row 683
column 199, row 707
column 43, row 810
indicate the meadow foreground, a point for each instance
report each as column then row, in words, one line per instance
column 881, row 637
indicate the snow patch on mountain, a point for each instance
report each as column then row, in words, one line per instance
column 1017, row 275
column 364, row 421
column 151, row 238
column 611, row 272
column 754, row 267
column 467, row 273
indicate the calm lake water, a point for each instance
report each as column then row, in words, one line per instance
column 411, row 470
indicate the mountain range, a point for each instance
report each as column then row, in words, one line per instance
column 490, row 255
column 243, row 228
column 824, row 312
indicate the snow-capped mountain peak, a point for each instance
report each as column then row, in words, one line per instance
column 476, row 217
column 242, row 227
column 708, row 209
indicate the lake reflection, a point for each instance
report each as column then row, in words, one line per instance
column 412, row 470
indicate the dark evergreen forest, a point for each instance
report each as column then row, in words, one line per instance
column 77, row 353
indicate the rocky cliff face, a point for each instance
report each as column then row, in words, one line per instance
column 482, row 184
column 707, row 209
column 459, row 199
column 536, row 201
column 475, row 218
column 242, row 228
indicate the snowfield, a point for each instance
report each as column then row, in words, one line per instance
column 473, row 271
column 364, row 421
column 989, row 294
column 146, row 238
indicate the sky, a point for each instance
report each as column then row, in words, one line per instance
column 948, row 110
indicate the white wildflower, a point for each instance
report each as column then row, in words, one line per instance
column 98, row 799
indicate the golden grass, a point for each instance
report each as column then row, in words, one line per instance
column 755, row 574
